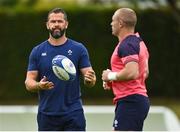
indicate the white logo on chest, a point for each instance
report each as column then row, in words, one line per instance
column 44, row 54
column 69, row 52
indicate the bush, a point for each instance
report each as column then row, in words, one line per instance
column 22, row 31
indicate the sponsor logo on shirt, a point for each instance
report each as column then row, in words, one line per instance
column 44, row 54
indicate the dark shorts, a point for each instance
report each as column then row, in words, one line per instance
column 74, row 121
column 131, row 112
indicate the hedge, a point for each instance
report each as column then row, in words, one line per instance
column 21, row 31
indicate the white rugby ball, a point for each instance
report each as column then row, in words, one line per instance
column 63, row 68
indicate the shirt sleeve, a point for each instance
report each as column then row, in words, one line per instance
column 84, row 58
column 32, row 65
column 129, row 49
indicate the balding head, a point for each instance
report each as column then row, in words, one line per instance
column 128, row 16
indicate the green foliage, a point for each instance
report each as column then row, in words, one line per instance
column 8, row 2
column 22, row 30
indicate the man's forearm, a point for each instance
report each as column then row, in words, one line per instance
column 32, row 85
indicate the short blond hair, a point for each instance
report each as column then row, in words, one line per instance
column 128, row 16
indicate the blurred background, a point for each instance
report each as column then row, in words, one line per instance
column 22, row 26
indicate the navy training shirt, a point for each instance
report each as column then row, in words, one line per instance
column 65, row 96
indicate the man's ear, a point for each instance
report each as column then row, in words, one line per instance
column 121, row 24
column 67, row 24
column 47, row 26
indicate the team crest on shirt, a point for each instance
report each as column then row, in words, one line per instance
column 69, row 52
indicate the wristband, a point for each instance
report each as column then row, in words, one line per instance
column 112, row 76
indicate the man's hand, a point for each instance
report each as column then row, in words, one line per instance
column 107, row 85
column 44, row 84
column 90, row 78
column 108, row 75
column 105, row 75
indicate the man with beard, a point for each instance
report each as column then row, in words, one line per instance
column 60, row 105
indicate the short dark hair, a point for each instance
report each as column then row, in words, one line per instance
column 58, row 10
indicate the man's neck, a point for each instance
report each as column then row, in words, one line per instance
column 124, row 34
column 58, row 41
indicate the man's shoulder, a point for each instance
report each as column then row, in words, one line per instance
column 131, row 39
column 76, row 43
column 129, row 46
column 40, row 45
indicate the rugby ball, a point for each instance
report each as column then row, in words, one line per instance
column 63, row 68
